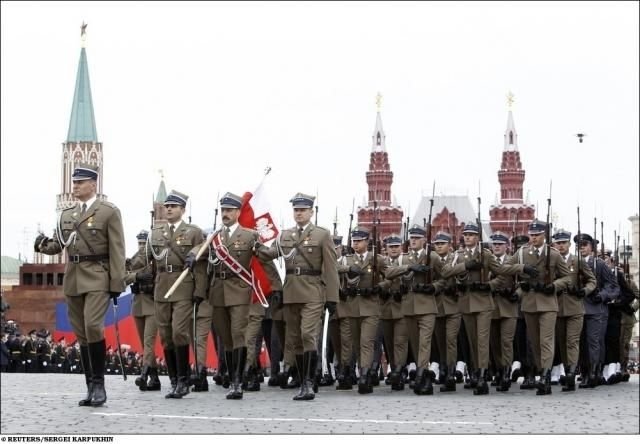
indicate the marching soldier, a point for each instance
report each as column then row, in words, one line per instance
column 140, row 274
column 393, row 322
column 311, row 280
column 345, row 310
column 539, row 301
column 448, row 317
column 419, row 305
column 596, row 312
column 30, row 353
column 505, row 315
column 43, row 350
column 471, row 268
column 92, row 233
column 571, row 307
column 169, row 246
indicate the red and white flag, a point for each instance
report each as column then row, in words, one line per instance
column 254, row 214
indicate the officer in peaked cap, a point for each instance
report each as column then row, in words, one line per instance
column 140, row 274
column 394, row 326
column 596, row 312
column 311, row 280
column 30, row 355
column 505, row 315
column 168, row 247
column 448, row 318
column 236, row 319
column 571, row 307
column 92, row 234
column 539, row 300
column 472, row 267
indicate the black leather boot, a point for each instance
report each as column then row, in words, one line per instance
column 344, row 378
column 448, row 383
column 544, row 384
column 141, row 381
column 313, row 362
column 97, row 352
column 396, row 379
column 88, row 375
column 570, row 379
column 505, row 381
column 516, row 374
column 296, row 375
column 473, row 379
column 624, row 370
column 154, row 381
column 283, row 376
column 599, row 376
column 418, row 382
column 589, row 378
column 226, row 376
column 482, row 388
column 364, row 382
column 239, row 360
column 497, row 376
column 170, row 359
column 251, row 381
column 182, row 368
column 529, row 382
column 308, row 364
column 201, row 384
column 374, row 374
column 426, row 385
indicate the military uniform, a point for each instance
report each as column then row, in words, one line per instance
column 344, row 339
column 628, row 320
column 30, row 353
column 311, row 280
column 169, row 244
column 140, row 274
column 571, row 310
column 93, row 236
column 471, row 267
column 394, row 324
column 447, row 321
column 539, row 300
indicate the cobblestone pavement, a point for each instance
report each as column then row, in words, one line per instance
column 52, row 399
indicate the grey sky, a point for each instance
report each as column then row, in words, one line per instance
column 213, row 93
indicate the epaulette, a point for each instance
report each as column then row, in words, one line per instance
column 321, row 228
column 108, row 204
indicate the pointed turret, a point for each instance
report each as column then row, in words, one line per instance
column 82, row 126
column 510, row 135
column 159, row 210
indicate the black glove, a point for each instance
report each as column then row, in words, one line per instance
column 36, row 245
column 513, row 297
column 114, row 295
column 429, row 289
column 483, row 287
column 419, row 268
column 472, row 264
column 595, row 297
column 581, row 293
column 197, row 299
column 531, row 271
column 549, row 289
column 331, row 306
column 276, row 297
column 190, row 261
column 144, row 278
column 354, row 271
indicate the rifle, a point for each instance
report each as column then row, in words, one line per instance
column 594, row 249
column 625, row 262
column 479, row 222
column 348, row 248
column 215, row 213
column 374, row 247
column 547, row 235
column 616, row 252
column 455, row 232
column 335, row 224
column 579, row 275
column 602, row 238
column 428, row 277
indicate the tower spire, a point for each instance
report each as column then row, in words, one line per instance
column 378, row 137
column 82, row 125
column 510, row 135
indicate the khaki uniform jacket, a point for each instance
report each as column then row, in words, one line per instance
column 368, row 305
column 533, row 301
column 568, row 303
column 390, row 309
column 184, row 239
column 346, row 305
column 504, row 286
column 234, row 291
column 476, row 301
column 99, row 232
column 447, row 297
column 143, row 304
column 316, row 245
column 419, row 303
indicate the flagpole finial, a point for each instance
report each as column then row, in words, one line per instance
column 83, row 34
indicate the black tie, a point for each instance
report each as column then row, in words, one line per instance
column 537, row 253
column 362, row 258
column 171, row 230
column 84, row 208
column 226, row 234
column 300, row 230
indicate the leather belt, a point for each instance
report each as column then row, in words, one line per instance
column 297, row 271
column 225, row 275
column 77, row 258
column 170, row 269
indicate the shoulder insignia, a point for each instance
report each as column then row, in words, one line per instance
column 108, row 204
column 321, row 229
